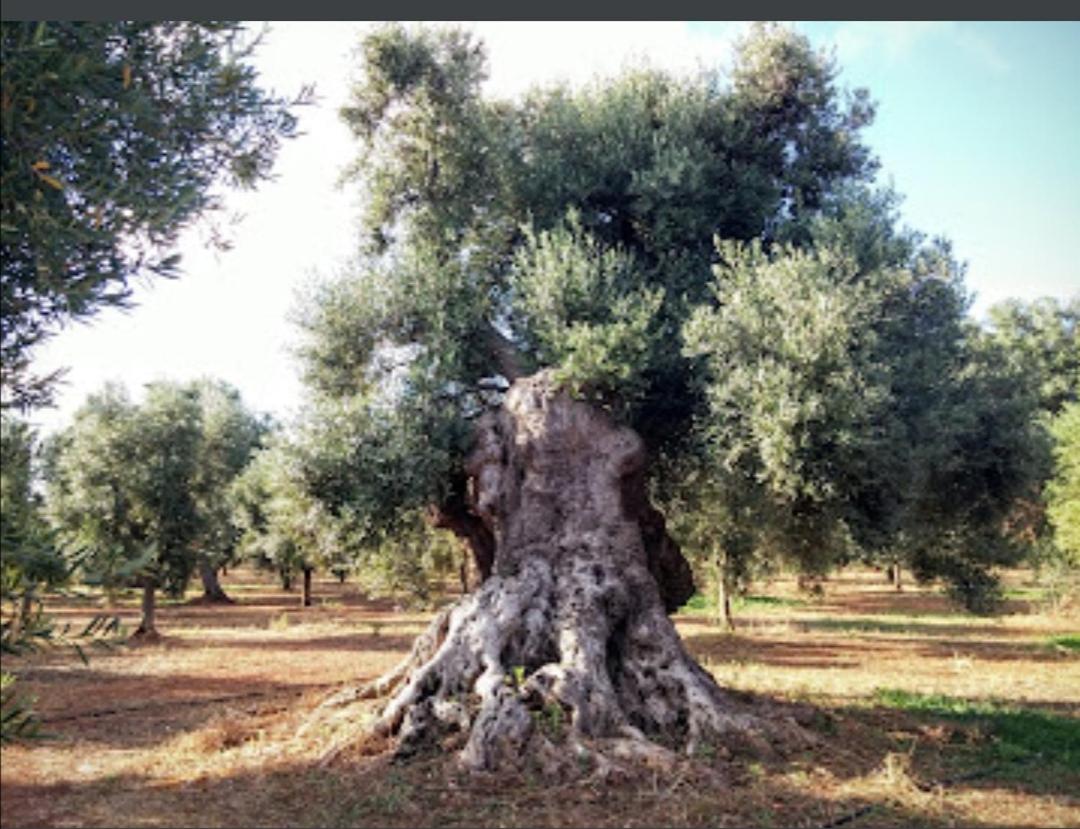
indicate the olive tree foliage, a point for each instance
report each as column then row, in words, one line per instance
column 1058, row 551
column 570, row 229
column 282, row 528
column 230, row 435
column 846, row 384
column 1063, row 490
column 29, row 559
column 136, row 488
column 116, row 136
column 1040, row 341
column 1043, row 338
column 32, row 563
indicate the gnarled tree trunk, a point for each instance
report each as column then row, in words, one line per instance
column 212, row 589
column 571, row 626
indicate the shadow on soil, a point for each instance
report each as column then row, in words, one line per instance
column 856, row 742
column 152, row 711
column 793, row 653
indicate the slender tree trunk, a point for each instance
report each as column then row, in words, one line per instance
column 147, row 626
column 723, row 595
column 573, row 616
column 212, row 589
column 894, row 574
column 305, row 599
column 20, row 618
column 286, row 579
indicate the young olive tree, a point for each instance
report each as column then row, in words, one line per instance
column 861, row 406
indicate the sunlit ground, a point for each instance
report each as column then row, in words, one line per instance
column 926, row 717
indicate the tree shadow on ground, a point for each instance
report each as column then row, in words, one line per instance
column 812, row 788
column 839, row 654
column 887, row 601
column 125, row 711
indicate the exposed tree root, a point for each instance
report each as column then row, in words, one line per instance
column 565, row 656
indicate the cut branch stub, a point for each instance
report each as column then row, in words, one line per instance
column 568, row 641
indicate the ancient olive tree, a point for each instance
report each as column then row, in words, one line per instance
column 507, row 359
column 116, row 137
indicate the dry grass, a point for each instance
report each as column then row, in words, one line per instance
column 203, row 727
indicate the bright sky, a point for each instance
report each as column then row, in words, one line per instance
column 978, row 126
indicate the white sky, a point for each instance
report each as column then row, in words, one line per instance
column 226, row 316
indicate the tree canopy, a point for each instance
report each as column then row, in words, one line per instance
column 141, row 490
column 116, row 136
column 571, row 229
column 706, row 258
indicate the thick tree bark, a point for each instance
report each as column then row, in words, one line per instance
column 568, row 640
column 305, row 598
column 212, row 589
column 148, row 626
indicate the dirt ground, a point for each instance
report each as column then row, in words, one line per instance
column 204, row 727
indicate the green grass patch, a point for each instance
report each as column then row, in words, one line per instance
column 1067, row 642
column 1030, row 593
column 702, row 603
column 1016, row 733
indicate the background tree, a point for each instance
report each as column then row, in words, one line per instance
column 282, row 527
column 137, row 489
column 850, row 388
column 1062, row 556
column 1042, row 338
column 555, row 244
column 121, row 491
column 1040, row 342
column 29, row 558
column 230, row 436
column 31, row 563
column 116, row 136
